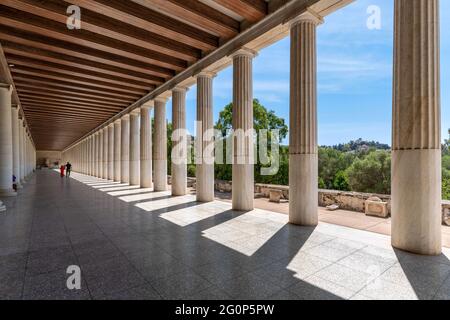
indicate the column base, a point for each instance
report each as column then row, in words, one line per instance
column 303, row 189
column 416, row 201
column 2, row 207
column 160, row 175
column 243, row 187
column 147, row 186
column 19, row 186
column 205, row 183
column 179, row 180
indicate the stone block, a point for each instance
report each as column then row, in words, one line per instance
column 376, row 207
column 275, row 195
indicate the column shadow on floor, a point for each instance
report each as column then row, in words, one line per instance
column 425, row 274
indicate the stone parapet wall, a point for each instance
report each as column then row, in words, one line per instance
column 352, row 201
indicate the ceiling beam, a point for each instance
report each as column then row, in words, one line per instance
column 81, row 80
column 196, row 13
column 94, row 55
column 49, row 56
column 71, row 93
column 54, row 108
column 73, row 71
column 251, row 10
column 58, row 96
column 46, row 27
column 70, row 103
column 69, row 85
column 148, row 19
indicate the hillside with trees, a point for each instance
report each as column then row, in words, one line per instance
column 363, row 166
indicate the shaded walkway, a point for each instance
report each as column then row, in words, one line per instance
column 153, row 246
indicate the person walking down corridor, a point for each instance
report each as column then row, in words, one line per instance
column 68, row 169
column 62, row 169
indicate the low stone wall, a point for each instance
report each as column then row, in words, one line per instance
column 352, row 201
column 446, row 212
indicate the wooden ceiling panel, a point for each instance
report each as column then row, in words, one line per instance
column 69, row 81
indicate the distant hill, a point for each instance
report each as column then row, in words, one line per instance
column 359, row 145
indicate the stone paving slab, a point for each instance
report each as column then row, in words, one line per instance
column 133, row 243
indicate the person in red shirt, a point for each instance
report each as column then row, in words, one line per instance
column 62, row 169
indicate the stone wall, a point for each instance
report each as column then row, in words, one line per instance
column 352, row 201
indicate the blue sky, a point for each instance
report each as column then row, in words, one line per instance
column 354, row 76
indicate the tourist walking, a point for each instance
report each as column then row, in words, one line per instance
column 61, row 170
column 68, row 169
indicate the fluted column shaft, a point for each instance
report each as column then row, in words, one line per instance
column 100, row 154
column 96, row 155
column 83, row 156
column 87, row 156
column 160, row 146
column 416, row 142
column 204, row 152
column 135, row 137
column 125, row 149
column 15, row 142
column 6, row 142
column 111, row 151
column 243, row 164
column 21, row 158
column 92, row 152
column 146, row 147
column 24, row 153
column 117, row 150
column 105, row 153
column 179, row 142
column 303, row 149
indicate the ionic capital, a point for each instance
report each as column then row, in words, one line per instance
column 246, row 52
column 307, row 16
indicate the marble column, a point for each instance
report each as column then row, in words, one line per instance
column 92, row 153
column 89, row 159
column 160, row 146
column 6, row 142
column 125, row 149
column 111, row 151
column 21, row 178
column 204, row 153
column 117, row 150
column 243, row 163
column 24, row 153
column 416, row 142
column 96, row 155
column 303, row 149
column 135, row 145
column 179, row 142
column 16, row 143
column 87, row 147
column 100, row 153
column 83, row 157
column 105, row 153
column 146, row 146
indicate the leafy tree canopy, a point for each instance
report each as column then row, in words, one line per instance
column 263, row 119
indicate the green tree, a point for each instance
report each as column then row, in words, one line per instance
column 332, row 161
column 371, row 174
column 446, row 189
column 446, row 145
column 262, row 119
column 341, row 181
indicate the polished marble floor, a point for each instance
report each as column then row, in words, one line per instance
column 133, row 243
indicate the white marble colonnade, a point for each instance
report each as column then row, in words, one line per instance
column 416, row 167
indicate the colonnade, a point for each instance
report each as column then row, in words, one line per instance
column 128, row 152
column 17, row 150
